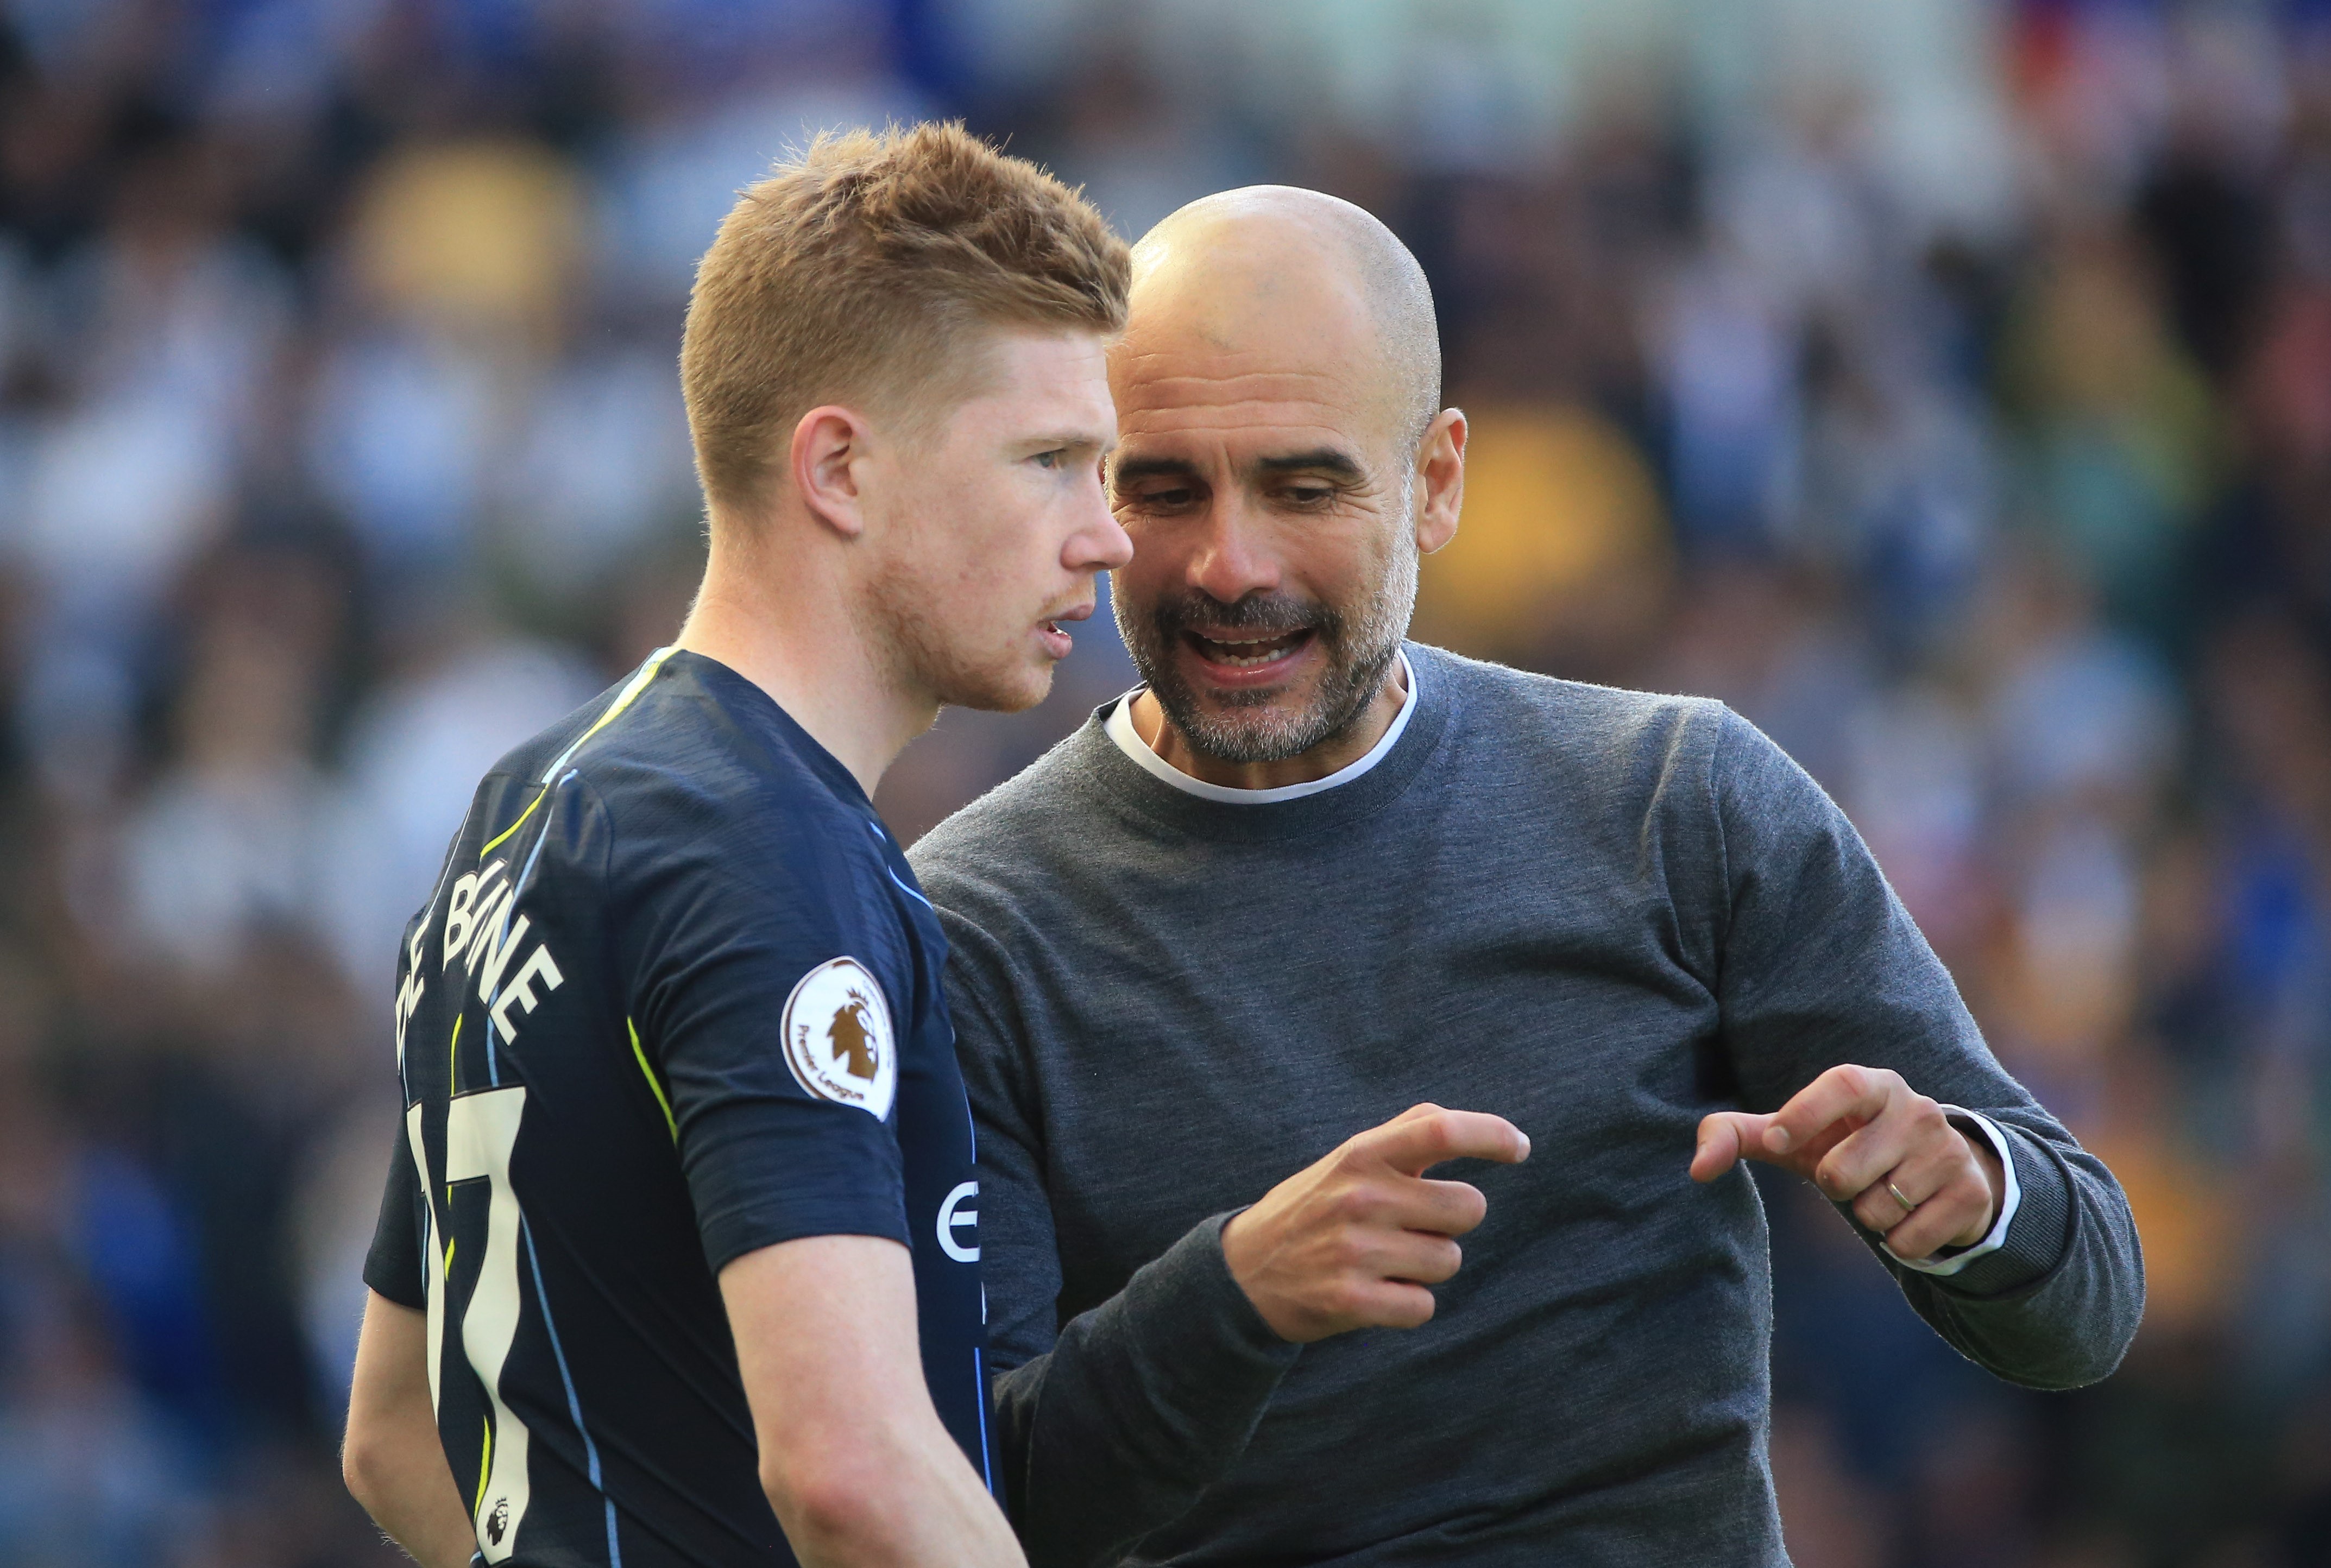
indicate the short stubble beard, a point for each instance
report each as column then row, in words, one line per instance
column 1249, row 726
column 905, row 605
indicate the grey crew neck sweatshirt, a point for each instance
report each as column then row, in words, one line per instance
column 1598, row 913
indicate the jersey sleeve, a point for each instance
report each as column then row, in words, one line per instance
column 724, row 936
column 393, row 1265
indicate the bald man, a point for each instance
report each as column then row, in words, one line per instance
column 1310, row 874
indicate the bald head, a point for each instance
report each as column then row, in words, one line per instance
column 1278, row 271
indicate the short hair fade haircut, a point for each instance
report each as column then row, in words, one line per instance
column 861, row 270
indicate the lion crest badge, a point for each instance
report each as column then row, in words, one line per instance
column 839, row 1041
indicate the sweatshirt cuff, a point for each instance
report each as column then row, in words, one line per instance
column 2027, row 1239
column 2011, row 1197
column 1198, row 1324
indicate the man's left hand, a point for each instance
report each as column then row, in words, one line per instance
column 1867, row 1139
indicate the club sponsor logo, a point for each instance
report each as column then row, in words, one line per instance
column 959, row 1223
column 839, row 1041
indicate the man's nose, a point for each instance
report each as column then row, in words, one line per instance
column 1101, row 543
column 1228, row 563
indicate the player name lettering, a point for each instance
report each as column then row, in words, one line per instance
column 481, row 922
column 410, row 988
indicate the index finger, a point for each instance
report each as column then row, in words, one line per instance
column 1415, row 1142
column 1843, row 1091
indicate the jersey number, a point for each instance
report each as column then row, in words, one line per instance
column 481, row 1129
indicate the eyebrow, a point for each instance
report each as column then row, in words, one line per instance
column 1123, row 471
column 1321, row 460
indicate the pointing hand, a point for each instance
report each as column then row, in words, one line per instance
column 1354, row 1240
column 1867, row 1139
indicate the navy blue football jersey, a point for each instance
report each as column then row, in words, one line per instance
column 676, row 997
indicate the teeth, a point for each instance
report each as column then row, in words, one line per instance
column 1267, row 649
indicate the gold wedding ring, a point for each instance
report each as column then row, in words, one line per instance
column 1907, row 1206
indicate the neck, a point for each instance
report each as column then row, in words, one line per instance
column 795, row 636
column 1337, row 752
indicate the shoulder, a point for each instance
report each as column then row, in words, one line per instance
column 693, row 793
column 1505, row 719
column 1028, row 817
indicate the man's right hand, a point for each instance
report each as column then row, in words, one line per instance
column 1354, row 1240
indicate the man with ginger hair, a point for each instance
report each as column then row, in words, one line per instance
column 677, row 1259
column 1311, row 873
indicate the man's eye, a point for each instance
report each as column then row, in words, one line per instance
column 1050, row 460
column 1308, row 495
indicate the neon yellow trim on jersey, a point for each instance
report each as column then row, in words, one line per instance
column 450, row 1085
column 485, row 1468
column 450, row 1245
column 641, row 1058
column 639, row 684
column 514, row 827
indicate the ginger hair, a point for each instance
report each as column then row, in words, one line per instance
column 867, row 271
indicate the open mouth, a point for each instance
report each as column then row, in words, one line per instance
column 1254, row 651
column 1054, row 632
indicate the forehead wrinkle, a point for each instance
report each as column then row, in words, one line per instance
column 1205, row 362
column 1185, row 375
column 1183, row 389
column 1249, row 454
column 1197, row 383
column 1263, row 398
column 1305, row 433
column 1284, row 425
column 1246, row 412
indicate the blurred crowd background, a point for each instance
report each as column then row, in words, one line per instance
column 1945, row 383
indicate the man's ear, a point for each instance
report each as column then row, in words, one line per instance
column 829, row 453
column 1440, row 476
